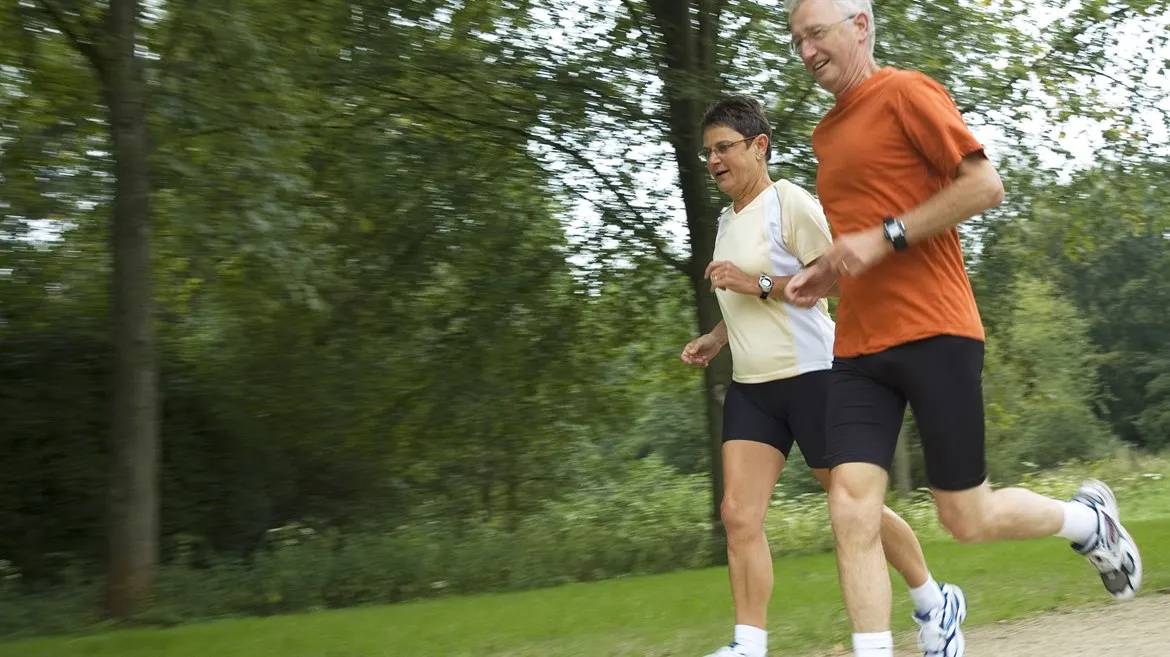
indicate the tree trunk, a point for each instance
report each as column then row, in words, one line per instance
column 134, row 504
column 690, row 83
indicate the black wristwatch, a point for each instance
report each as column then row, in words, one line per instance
column 895, row 233
column 765, row 285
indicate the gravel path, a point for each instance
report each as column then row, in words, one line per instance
column 1140, row 628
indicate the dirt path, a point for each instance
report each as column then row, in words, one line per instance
column 1140, row 628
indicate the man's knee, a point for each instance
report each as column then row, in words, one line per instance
column 966, row 515
column 741, row 520
column 856, row 496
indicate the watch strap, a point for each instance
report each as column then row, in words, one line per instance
column 895, row 232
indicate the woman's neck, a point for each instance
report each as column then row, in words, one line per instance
column 762, row 183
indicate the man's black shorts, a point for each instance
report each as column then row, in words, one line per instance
column 942, row 379
column 779, row 412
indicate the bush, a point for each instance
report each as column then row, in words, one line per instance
column 653, row 521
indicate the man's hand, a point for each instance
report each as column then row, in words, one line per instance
column 702, row 350
column 726, row 276
column 854, row 253
column 810, row 284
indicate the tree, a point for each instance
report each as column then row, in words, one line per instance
column 106, row 38
column 678, row 57
column 1041, row 386
column 1100, row 238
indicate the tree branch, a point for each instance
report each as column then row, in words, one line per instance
column 636, row 17
column 87, row 49
column 1069, row 39
column 793, row 108
column 1092, row 71
column 639, row 229
column 172, row 42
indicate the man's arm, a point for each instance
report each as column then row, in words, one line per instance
column 976, row 189
column 932, row 123
column 778, row 285
column 816, row 281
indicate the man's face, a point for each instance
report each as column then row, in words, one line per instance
column 831, row 45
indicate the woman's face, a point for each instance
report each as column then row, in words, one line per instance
column 733, row 161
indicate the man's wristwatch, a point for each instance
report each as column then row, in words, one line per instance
column 765, row 285
column 895, row 233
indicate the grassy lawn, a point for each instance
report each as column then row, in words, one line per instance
column 682, row 614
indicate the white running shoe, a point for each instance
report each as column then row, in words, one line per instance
column 1111, row 550
column 731, row 650
column 939, row 634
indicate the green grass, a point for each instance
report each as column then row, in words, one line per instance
column 681, row 614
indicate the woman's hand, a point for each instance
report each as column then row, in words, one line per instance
column 726, row 276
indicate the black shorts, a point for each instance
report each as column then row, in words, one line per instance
column 779, row 412
column 942, row 379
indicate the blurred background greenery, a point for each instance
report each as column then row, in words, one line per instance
column 308, row 305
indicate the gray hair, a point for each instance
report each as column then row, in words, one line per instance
column 847, row 8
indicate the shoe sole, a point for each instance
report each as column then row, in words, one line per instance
column 1134, row 555
column 1135, row 558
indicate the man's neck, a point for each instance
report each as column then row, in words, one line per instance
column 864, row 73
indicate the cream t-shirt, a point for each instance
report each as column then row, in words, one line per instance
column 781, row 231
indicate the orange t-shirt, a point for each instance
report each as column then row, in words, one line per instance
column 886, row 147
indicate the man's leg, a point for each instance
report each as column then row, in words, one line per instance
column 946, row 395
column 899, row 542
column 1090, row 521
column 856, row 497
column 807, row 417
column 903, row 551
column 980, row 514
column 864, row 419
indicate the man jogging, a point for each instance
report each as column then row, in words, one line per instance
column 898, row 171
column 781, row 361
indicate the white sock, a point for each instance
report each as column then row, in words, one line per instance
column 928, row 596
column 873, row 644
column 751, row 641
column 1080, row 522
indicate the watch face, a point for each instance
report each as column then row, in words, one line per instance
column 765, row 283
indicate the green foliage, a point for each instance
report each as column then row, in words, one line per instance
column 1100, row 239
column 1040, row 387
column 419, row 287
column 664, row 615
column 654, row 521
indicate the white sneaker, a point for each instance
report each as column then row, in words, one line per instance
column 939, row 634
column 1111, row 550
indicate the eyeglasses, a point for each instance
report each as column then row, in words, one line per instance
column 815, row 34
column 722, row 147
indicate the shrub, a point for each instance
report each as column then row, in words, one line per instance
column 653, row 521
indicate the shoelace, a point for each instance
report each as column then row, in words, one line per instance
column 932, row 637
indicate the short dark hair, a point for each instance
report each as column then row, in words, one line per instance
column 742, row 114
